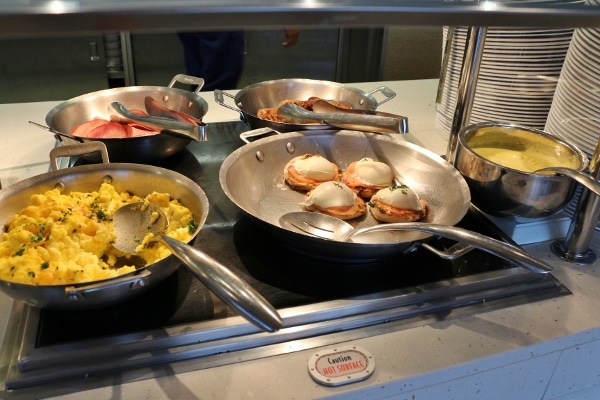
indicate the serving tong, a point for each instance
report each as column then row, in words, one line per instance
column 359, row 120
column 168, row 126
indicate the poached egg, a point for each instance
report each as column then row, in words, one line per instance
column 399, row 196
column 315, row 167
column 330, row 194
column 375, row 173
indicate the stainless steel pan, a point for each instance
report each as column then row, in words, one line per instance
column 252, row 177
column 67, row 115
column 136, row 178
column 270, row 93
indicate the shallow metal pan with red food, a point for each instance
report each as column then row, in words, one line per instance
column 252, row 177
column 142, row 149
column 269, row 94
column 138, row 179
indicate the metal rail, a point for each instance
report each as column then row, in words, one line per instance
column 60, row 17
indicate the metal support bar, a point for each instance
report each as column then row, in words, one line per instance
column 466, row 86
column 575, row 247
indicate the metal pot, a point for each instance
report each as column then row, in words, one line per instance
column 270, row 93
column 505, row 189
column 252, row 177
column 67, row 115
column 135, row 178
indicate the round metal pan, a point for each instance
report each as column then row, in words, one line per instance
column 252, row 177
column 144, row 149
column 270, row 93
column 135, row 178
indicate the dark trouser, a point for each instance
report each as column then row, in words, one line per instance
column 215, row 56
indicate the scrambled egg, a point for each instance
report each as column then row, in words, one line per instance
column 62, row 239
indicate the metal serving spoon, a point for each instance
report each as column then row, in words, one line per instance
column 331, row 228
column 133, row 222
column 323, row 106
column 119, row 113
column 360, row 122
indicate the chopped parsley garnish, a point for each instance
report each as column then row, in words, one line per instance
column 66, row 215
column 44, row 265
column 20, row 251
column 403, row 187
column 38, row 237
column 192, row 226
column 101, row 215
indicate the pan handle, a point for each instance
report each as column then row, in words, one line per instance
column 230, row 288
column 455, row 251
column 188, row 80
column 249, row 136
column 93, row 291
column 386, row 91
column 501, row 249
column 219, row 98
column 71, row 150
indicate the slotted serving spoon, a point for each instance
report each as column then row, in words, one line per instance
column 134, row 221
column 331, row 228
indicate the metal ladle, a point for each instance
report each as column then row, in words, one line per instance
column 133, row 222
column 331, row 228
column 585, row 179
column 360, row 122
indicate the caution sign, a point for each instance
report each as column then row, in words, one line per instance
column 341, row 365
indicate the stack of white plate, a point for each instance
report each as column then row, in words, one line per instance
column 518, row 75
column 575, row 111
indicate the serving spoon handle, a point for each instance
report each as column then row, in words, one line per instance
column 501, row 249
column 585, row 179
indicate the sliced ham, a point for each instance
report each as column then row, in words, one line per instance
column 177, row 114
column 137, row 130
column 84, row 129
column 185, row 117
column 110, row 130
column 99, row 128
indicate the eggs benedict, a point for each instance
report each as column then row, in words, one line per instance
column 336, row 199
column 367, row 176
column 309, row 170
column 397, row 203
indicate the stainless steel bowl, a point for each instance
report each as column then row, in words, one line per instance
column 498, row 159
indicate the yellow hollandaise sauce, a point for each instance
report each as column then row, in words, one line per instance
column 522, row 150
column 526, row 161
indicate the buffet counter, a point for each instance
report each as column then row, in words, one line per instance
column 541, row 350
